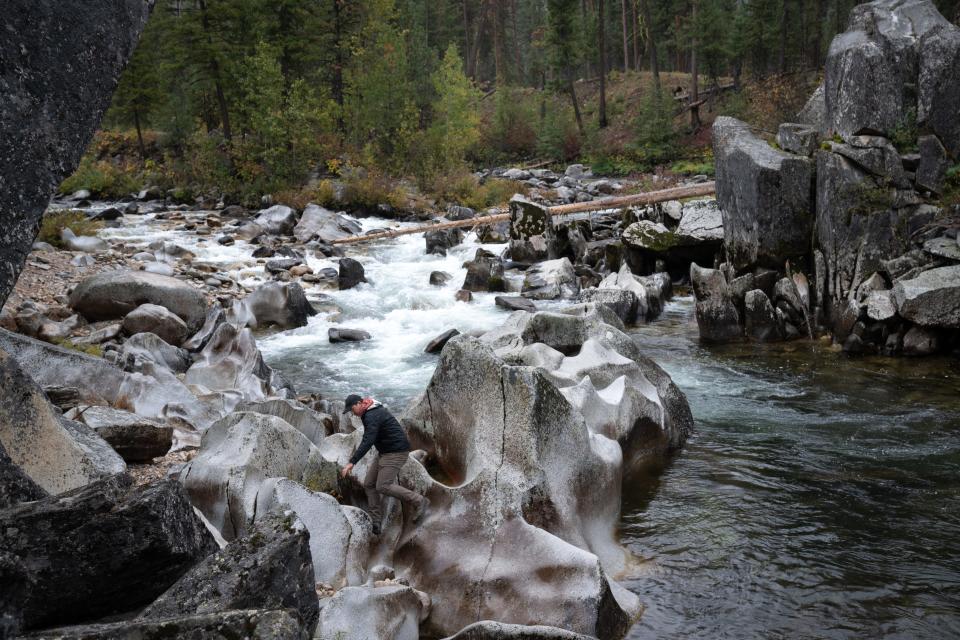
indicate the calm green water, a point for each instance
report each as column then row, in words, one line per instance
column 820, row 497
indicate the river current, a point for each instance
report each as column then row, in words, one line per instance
column 819, row 497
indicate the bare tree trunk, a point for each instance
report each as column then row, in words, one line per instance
column 636, row 34
column 818, row 38
column 601, row 34
column 576, row 106
column 338, row 62
column 782, row 55
column 694, row 70
column 215, row 74
column 467, row 51
column 651, row 45
column 626, row 44
column 136, row 122
column 518, row 70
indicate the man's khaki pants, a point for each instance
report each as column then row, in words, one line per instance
column 382, row 480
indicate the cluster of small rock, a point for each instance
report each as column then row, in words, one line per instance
column 884, row 264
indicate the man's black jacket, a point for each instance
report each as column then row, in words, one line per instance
column 380, row 429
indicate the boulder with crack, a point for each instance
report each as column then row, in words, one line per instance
column 268, row 569
column 102, row 549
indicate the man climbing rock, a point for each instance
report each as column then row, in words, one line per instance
column 381, row 430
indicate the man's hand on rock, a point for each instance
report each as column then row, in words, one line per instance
column 346, row 470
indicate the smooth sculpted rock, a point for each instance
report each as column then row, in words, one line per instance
column 268, row 569
column 314, row 425
column 932, row 299
column 232, row 362
column 283, row 305
column 54, row 454
column 534, row 476
column 237, row 454
column 143, row 348
column 379, row 612
column 765, row 196
column 626, row 281
column 62, row 60
column 152, row 318
column 102, row 549
column 490, row 630
column 112, row 295
column 717, row 316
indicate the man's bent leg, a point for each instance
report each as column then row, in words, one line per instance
column 390, row 465
column 370, row 487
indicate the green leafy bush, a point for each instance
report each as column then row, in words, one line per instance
column 102, row 179
column 56, row 221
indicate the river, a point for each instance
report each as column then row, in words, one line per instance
column 819, row 498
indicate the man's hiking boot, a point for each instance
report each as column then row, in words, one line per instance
column 422, row 509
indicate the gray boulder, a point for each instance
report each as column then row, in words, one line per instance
column 324, row 225
column 881, row 306
column 759, row 318
column 135, row 438
column 439, row 278
column 943, row 247
column 932, row 299
column 350, row 273
column 531, row 230
column 113, row 294
column 103, row 549
column 701, row 222
column 484, row 273
column 933, row 166
column 231, row 362
column 144, row 348
column 551, row 280
column 717, row 316
column 344, row 334
column 54, row 99
column 269, row 568
column 54, row 453
column 436, row 345
column 284, row 305
column 938, row 100
column 796, row 138
column 278, row 220
column 315, row 426
column 372, row 612
column 515, row 303
column 215, row 317
column 86, row 244
column 765, row 197
column 621, row 301
column 875, row 155
column 152, row 318
column 490, row 630
column 439, row 240
column 814, row 112
column 921, row 341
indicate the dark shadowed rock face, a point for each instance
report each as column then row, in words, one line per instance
column 15, row 485
column 271, row 568
column 102, row 549
column 61, row 61
column 765, row 195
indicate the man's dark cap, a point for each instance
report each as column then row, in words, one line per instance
column 351, row 400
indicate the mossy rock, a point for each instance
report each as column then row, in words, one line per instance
column 651, row 236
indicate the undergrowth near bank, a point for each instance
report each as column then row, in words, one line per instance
column 56, row 221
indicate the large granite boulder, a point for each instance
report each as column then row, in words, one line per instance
column 531, row 231
column 62, row 60
column 270, row 568
column 765, row 196
column 284, row 305
column 701, row 223
column 278, row 220
column 112, row 295
column 439, row 240
column 54, row 453
column 484, row 273
column 102, row 549
column 550, row 280
column 622, row 302
column 135, row 438
column 237, row 454
column 717, row 315
column 151, row 318
column 324, row 225
column 231, row 362
column 314, row 425
column 142, row 348
column 898, row 60
column 932, row 299
column 350, row 274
